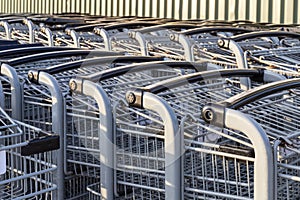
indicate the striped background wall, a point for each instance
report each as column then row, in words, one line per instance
column 276, row 11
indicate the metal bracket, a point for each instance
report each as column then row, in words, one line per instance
column 224, row 43
column 214, row 114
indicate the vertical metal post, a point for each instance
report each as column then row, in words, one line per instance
column 58, row 113
column 49, row 35
column 106, row 136
column 16, row 90
column 106, row 40
column 76, row 38
column 139, row 37
column 31, row 29
column 264, row 161
column 240, row 60
column 187, row 46
column 8, row 29
column 173, row 142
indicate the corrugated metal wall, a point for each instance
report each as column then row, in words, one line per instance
column 276, row 11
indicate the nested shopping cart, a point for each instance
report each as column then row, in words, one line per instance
column 85, row 36
column 271, row 110
column 108, row 31
column 231, row 50
column 114, row 82
column 281, row 56
column 54, row 31
column 27, row 166
column 82, row 116
column 19, row 29
column 155, row 40
column 14, row 72
column 35, row 108
column 115, row 36
column 159, row 135
column 205, row 39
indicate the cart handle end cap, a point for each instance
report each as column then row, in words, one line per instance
column 134, row 98
column 41, row 145
column 174, row 37
column 214, row 114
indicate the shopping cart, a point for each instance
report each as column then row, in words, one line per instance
column 27, row 168
column 81, row 114
column 200, row 38
column 151, row 144
column 76, row 32
column 155, row 40
column 271, row 110
column 13, row 68
column 114, row 82
column 82, row 136
column 116, row 37
column 85, row 36
column 55, row 26
column 22, row 103
column 281, row 57
column 19, row 29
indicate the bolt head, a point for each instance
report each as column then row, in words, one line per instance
column 73, row 85
column 30, row 76
column 130, row 97
column 208, row 115
column 221, row 43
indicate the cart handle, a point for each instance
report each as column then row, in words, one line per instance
column 251, row 95
column 22, row 49
column 8, row 42
column 129, row 25
column 16, row 20
column 49, row 55
column 214, row 29
column 65, row 27
column 89, row 27
column 200, row 76
column 167, row 26
column 118, row 71
column 257, row 34
column 63, row 20
column 3, row 48
column 98, row 60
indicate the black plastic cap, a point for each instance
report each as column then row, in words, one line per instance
column 41, row 145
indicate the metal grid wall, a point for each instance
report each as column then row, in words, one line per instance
column 275, row 11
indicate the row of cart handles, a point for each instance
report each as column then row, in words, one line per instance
column 135, row 97
column 113, row 72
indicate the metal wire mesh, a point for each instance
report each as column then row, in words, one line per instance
column 25, row 177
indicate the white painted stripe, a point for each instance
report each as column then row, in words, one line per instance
column 231, row 7
column 288, row 11
column 203, row 9
column 242, row 10
column 264, row 10
column 253, row 10
column 276, row 12
column 221, row 11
